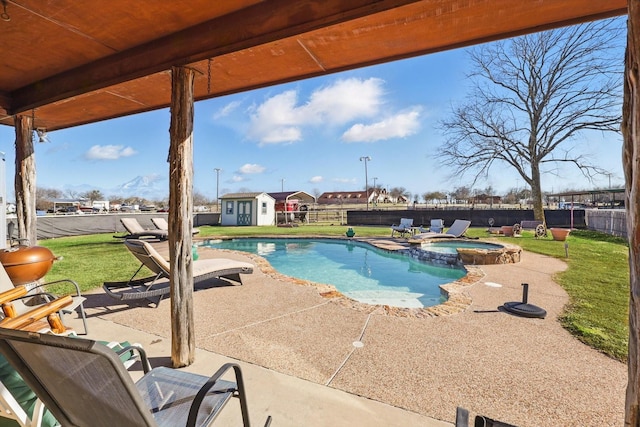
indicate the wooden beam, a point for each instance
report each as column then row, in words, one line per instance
column 631, row 165
column 181, row 217
column 258, row 24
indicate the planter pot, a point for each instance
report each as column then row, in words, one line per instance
column 507, row 230
column 560, row 234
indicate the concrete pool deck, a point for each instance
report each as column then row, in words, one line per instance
column 302, row 367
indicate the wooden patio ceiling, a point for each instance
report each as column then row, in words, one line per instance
column 72, row 62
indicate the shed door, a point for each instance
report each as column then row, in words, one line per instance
column 244, row 213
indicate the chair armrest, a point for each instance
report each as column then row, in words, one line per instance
column 197, row 401
column 12, row 294
column 35, row 314
column 36, row 285
column 144, row 360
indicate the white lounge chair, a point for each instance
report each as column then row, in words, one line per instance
column 457, row 229
column 155, row 287
column 137, row 231
column 162, row 224
column 403, row 228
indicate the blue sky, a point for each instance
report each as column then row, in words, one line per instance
column 310, row 134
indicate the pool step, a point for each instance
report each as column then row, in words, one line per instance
column 394, row 298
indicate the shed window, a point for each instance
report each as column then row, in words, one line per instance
column 264, row 208
column 229, row 208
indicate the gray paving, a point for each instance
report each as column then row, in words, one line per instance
column 302, row 367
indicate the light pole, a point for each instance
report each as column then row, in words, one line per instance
column 375, row 190
column 217, row 170
column 282, row 184
column 366, row 159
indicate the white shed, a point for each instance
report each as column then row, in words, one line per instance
column 247, row 209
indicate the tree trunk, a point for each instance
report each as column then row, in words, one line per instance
column 536, row 193
column 631, row 164
column 181, row 217
column 25, row 179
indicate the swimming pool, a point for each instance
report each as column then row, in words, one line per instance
column 358, row 270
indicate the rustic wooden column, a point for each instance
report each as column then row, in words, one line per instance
column 181, row 217
column 25, row 179
column 631, row 164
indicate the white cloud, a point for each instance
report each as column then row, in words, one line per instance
column 237, row 178
column 345, row 180
column 282, row 119
column 316, row 179
column 399, row 126
column 108, row 152
column 226, row 110
column 249, row 168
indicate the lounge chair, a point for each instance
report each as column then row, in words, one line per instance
column 136, row 231
column 457, row 229
column 26, row 303
column 83, row 383
column 403, row 228
column 162, row 224
column 437, row 226
column 155, row 287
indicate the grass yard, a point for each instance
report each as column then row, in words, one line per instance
column 597, row 279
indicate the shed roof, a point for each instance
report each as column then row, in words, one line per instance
column 287, row 195
column 243, row 195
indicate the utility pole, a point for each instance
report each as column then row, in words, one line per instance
column 217, row 170
column 366, row 159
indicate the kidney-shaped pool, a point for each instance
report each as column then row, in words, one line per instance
column 358, row 270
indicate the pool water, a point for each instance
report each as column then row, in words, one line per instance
column 359, row 271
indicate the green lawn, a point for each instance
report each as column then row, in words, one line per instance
column 597, row 279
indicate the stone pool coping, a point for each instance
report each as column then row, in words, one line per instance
column 458, row 298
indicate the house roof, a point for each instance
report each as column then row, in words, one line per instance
column 68, row 62
column 360, row 194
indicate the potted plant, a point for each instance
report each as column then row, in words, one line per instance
column 507, row 230
column 560, row 234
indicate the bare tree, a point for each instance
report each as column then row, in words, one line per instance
column 396, row 192
column 45, row 196
column 92, row 195
column 532, row 97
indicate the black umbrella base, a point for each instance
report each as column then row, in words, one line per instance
column 524, row 309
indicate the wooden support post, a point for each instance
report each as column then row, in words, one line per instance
column 25, row 179
column 181, row 217
column 631, row 165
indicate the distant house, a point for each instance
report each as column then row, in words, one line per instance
column 351, row 197
column 247, row 209
column 381, row 195
column 486, row 199
column 340, row 197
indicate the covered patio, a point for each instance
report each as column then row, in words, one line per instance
column 100, row 60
